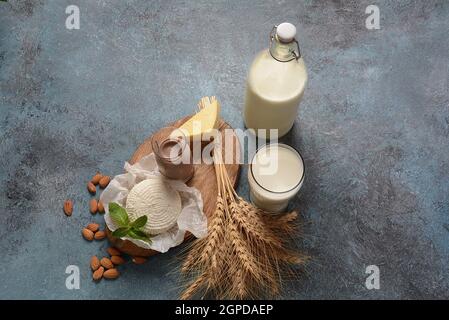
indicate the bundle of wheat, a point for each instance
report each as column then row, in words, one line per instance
column 246, row 253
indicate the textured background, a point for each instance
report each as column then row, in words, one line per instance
column 373, row 128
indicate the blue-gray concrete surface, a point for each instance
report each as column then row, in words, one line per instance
column 373, row 128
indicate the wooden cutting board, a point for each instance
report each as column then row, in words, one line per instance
column 203, row 179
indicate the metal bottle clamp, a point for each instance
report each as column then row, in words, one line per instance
column 296, row 55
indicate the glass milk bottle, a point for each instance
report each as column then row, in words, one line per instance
column 276, row 82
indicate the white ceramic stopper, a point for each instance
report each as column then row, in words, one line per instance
column 286, row 32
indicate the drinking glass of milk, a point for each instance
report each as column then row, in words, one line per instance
column 275, row 175
column 276, row 82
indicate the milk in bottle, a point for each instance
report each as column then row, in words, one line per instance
column 276, row 82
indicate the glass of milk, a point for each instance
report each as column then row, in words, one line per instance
column 275, row 175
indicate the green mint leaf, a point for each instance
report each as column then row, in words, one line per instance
column 120, row 232
column 118, row 214
column 140, row 222
column 139, row 235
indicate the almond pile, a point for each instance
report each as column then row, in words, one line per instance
column 92, row 231
column 96, row 206
column 106, row 267
column 103, row 181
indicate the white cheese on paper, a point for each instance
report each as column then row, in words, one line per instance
column 157, row 200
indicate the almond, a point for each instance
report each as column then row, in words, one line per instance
column 94, row 263
column 113, row 251
column 117, row 260
column 98, row 274
column 100, row 207
column 100, row 235
column 104, row 181
column 96, row 178
column 68, row 207
column 111, row 274
column 93, row 206
column 87, row 234
column 93, row 227
column 91, row 188
column 107, row 263
column 139, row 260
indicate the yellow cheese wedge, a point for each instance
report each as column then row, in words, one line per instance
column 202, row 122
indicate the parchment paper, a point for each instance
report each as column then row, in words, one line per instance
column 192, row 217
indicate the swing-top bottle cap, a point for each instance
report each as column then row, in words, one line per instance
column 286, row 32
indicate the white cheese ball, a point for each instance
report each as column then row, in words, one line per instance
column 157, row 200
